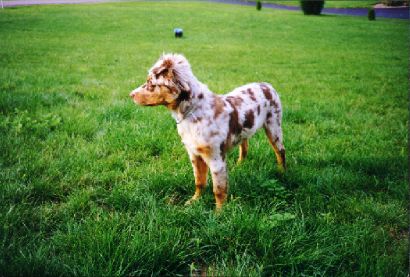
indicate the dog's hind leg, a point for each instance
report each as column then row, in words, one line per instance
column 274, row 134
column 243, row 150
column 200, row 173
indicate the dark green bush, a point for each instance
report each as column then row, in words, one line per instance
column 258, row 5
column 394, row 2
column 371, row 14
column 312, row 7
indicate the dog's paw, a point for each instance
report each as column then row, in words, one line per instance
column 281, row 169
column 190, row 201
column 218, row 210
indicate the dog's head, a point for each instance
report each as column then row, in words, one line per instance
column 167, row 83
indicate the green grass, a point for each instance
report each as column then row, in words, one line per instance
column 93, row 185
column 328, row 3
column 331, row 3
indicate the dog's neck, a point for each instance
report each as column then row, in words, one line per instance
column 191, row 104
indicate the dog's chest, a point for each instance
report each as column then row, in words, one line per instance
column 192, row 135
column 199, row 135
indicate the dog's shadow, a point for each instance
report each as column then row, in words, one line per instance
column 248, row 184
column 256, row 182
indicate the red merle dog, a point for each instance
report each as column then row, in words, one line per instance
column 210, row 124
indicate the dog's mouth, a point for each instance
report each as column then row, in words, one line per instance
column 143, row 100
column 142, row 97
column 159, row 96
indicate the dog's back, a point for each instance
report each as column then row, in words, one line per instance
column 258, row 105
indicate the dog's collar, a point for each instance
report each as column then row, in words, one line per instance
column 186, row 114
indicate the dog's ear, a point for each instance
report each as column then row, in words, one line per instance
column 163, row 69
column 181, row 84
column 168, row 64
column 173, row 70
column 170, row 71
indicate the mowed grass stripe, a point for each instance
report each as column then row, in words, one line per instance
column 93, row 185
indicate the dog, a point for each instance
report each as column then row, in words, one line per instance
column 210, row 124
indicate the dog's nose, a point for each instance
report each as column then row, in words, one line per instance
column 132, row 94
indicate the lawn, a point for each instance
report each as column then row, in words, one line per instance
column 328, row 3
column 93, row 185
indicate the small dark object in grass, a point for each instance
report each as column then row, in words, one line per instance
column 178, row 32
column 258, row 5
column 371, row 14
column 312, row 7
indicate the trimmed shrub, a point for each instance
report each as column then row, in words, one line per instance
column 312, row 7
column 393, row 2
column 371, row 14
column 258, row 5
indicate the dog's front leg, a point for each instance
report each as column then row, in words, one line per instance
column 200, row 173
column 219, row 179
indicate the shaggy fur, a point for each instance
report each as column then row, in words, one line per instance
column 210, row 124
